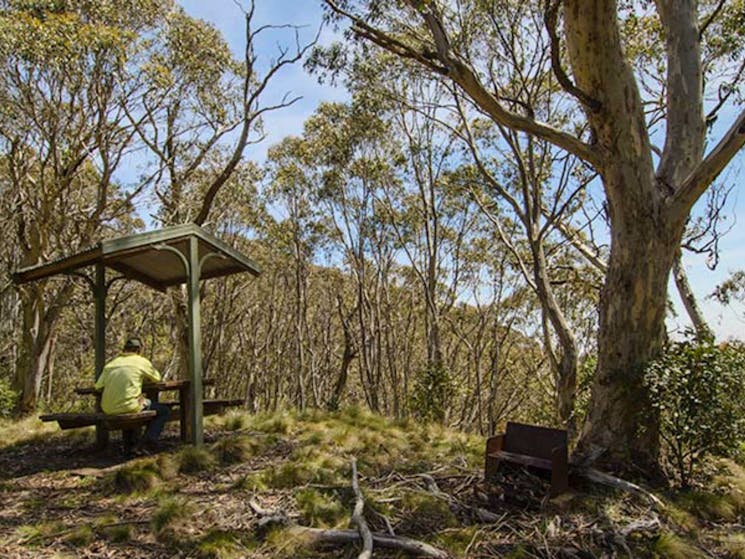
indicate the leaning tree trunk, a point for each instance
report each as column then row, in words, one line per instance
column 566, row 367
column 703, row 331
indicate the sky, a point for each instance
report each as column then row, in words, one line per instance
column 727, row 322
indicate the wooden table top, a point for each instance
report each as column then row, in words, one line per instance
column 163, row 386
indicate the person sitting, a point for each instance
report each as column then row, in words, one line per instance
column 121, row 381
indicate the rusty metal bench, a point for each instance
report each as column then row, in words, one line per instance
column 533, row 447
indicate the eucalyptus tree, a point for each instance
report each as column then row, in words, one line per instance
column 649, row 191
column 199, row 109
column 63, row 135
column 299, row 231
column 435, row 221
column 196, row 100
column 352, row 156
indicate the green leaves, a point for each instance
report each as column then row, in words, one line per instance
column 699, row 391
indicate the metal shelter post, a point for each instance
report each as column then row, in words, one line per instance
column 196, row 434
column 138, row 257
column 99, row 291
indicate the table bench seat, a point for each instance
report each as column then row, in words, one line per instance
column 110, row 422
column 105, row 423
column 209, row 407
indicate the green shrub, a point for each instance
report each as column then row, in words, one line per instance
column 432, row 393
column 698, row 389
column 8, row 398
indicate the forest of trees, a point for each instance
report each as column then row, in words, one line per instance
column 437, row 246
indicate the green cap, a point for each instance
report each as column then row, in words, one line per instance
column 133, row 344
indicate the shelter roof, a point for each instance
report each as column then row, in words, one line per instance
column 150, row 258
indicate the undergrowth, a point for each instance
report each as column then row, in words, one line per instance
column 299, row 464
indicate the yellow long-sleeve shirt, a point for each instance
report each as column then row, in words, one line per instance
column 121, row 381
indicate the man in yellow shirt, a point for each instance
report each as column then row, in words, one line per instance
column 121, row 381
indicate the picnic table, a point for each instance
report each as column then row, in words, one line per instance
column 181, row 409
column 183, row 254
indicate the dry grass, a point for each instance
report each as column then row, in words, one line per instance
column 299, row 464
column 24, row 430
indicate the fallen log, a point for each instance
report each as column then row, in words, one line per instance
column 400, row 543
column 269, row 518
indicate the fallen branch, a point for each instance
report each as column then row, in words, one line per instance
column 482, row 514
column 651, row 524
column 317, row 535
column 400, row 543
column 617, row 483
column 358, row 518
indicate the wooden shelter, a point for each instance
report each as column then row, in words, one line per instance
column 159, row 259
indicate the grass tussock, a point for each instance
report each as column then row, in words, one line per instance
column 167, row 466
column 734, row 545
column 279, row 423
column 458, row 540
column 193, row 460
column 110, row 528
column 287, row 543
column 314, row 467
column 722, row 499
column 233, row 421
column 670, row 546
column 223, row 544
column 683, row 519
column 80, row 536
column 233, row 450
column 28, row 429
column 138, row 477
column 120, row 533
column 33, row 535
column 424, row 514
column 707, row 505
column 170, row 510
column 320, row 510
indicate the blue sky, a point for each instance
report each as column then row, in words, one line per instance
column 226, row 16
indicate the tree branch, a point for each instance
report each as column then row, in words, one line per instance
column 445, row 63
column 550, row 18
column 696, row 183
column 358, row 518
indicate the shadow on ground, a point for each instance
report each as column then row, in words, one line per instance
column 64, row 451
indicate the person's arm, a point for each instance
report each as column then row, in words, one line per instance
column 101, row 381
column 151, row 373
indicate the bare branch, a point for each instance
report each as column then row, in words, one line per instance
column 358, row 518
column 462, row 74
column 729, row 89
column 249, row 115
column 696, row 183
column 709, row 20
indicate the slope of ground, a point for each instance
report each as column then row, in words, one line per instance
column 261, row 481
